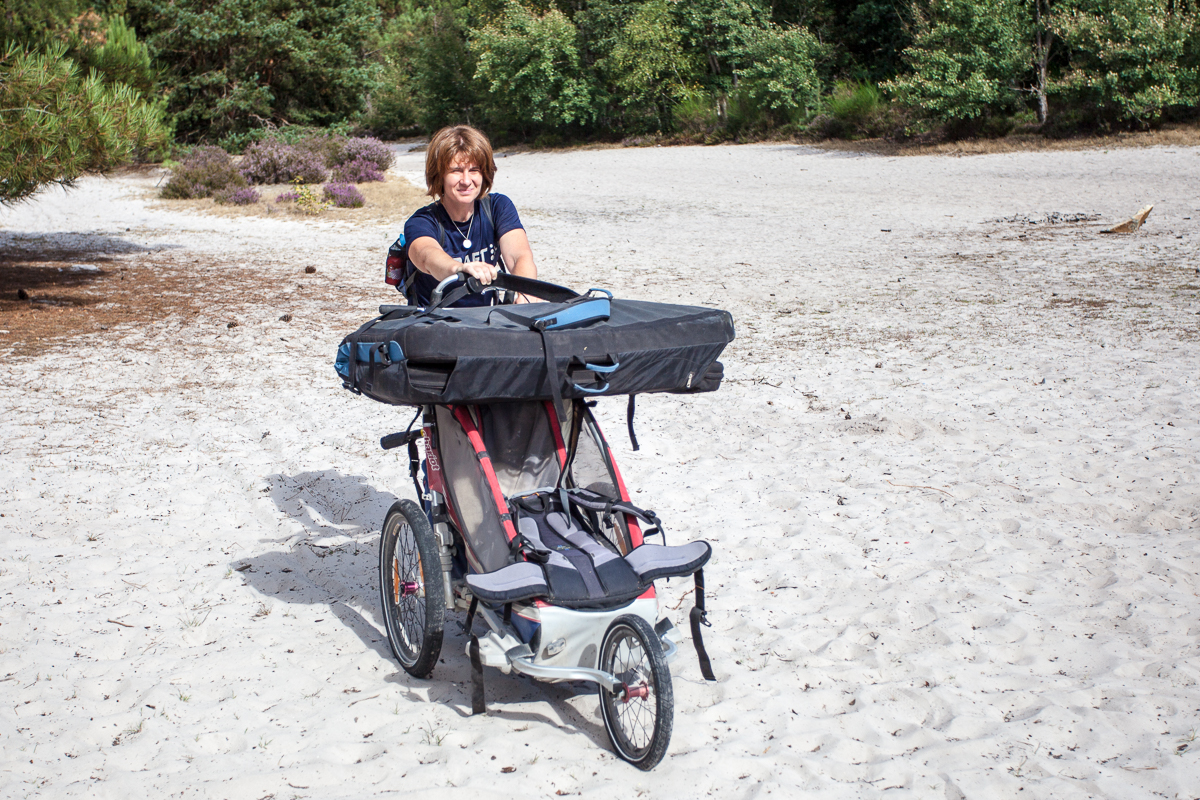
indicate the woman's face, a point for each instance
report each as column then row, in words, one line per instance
column 463, row 181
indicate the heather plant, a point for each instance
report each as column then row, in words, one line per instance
column 367, row 149
column 272, row 161
column 343, row 195
column 360, row 170
column 205, row 172
column 237, row 197
column 290, row 196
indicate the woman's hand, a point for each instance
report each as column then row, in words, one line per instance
column 481, row 271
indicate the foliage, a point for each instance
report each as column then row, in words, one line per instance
column 531, row 64
column 343, row 195
column 205, row 171
column 647, row 66
column 232, row 65
column 56, row 124
column 307, row 199
column 290, row 196
column 237, row 197
column 779, row 69
column 966, row 59
column 35, row 24
column 111, row 47
column 716, row 30
column 272, row 161
column 1127, row 59
column 360, row 170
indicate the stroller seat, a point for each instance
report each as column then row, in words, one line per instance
column 526, row 580
column 570, row 566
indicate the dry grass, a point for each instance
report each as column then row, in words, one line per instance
column 1167, row 136
column 393, row 199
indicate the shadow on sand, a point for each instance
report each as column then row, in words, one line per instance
column 334, row 562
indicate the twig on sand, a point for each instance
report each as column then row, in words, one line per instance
column 910, row 486
column 364, row 699
column 122, row 624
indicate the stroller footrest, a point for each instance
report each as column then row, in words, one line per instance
column 519, row 581
column 654, row 561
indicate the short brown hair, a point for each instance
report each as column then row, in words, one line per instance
column 450, row 143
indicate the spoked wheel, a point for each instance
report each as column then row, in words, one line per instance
column 639, row 715
column 410, row 582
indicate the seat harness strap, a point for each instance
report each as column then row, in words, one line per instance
column 478, row 703
column 700, row 617
column 629, row 412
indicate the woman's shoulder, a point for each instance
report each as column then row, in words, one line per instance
column 429, row 211
column 500, row 201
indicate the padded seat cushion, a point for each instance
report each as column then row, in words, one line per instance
column 654, row 561
column 515, row 582
column 526, row 580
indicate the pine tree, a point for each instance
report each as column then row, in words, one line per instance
column 56, row 125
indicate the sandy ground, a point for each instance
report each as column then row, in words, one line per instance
column 951, row 481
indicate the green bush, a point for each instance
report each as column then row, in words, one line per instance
column 696, row 114
column 779, row 71
column 1128, row 61
column 648, row 68
column 234, row 65
column 531, row 69
column 967, row 59
column 56, row 124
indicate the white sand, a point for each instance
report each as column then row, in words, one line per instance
column 968, row 572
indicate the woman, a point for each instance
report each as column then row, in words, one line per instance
column 459, row 168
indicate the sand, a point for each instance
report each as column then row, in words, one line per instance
column 951, row 482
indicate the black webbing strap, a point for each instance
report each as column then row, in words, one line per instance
column 552, row 372
column 478, row 702
column 700, row 617
column 629, row 412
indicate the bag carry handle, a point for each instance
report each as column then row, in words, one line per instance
column 466, row 284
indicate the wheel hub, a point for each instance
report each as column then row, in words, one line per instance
column 408, row 588
column 641, row 691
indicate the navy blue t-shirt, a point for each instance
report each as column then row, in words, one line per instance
column 484, row 236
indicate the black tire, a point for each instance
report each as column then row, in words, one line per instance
column 639, row 726
column 408, row 554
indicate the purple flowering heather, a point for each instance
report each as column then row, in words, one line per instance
column 368, row 149
column 238, row 197
column 272, row 161
column 360, row 170
column 343, row 195
column 204, row 172
column 289, row 196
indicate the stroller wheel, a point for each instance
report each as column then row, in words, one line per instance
column 640, row 715
column 410, row 582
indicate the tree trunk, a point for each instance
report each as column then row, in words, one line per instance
column 1043, row 41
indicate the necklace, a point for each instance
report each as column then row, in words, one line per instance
column 466, row 236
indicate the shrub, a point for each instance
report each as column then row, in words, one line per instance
column 204, row 172
column 237, row 197
column 56, row 123
column 696, row 114
column 272, row 161
column 367, row 149
column 290, row 196
column 360, row 170
column 343, row 195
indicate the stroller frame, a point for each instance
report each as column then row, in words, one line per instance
column 436, row 557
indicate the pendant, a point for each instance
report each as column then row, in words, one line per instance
column 466, row 242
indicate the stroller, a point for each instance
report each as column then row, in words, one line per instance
column 525, row 521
